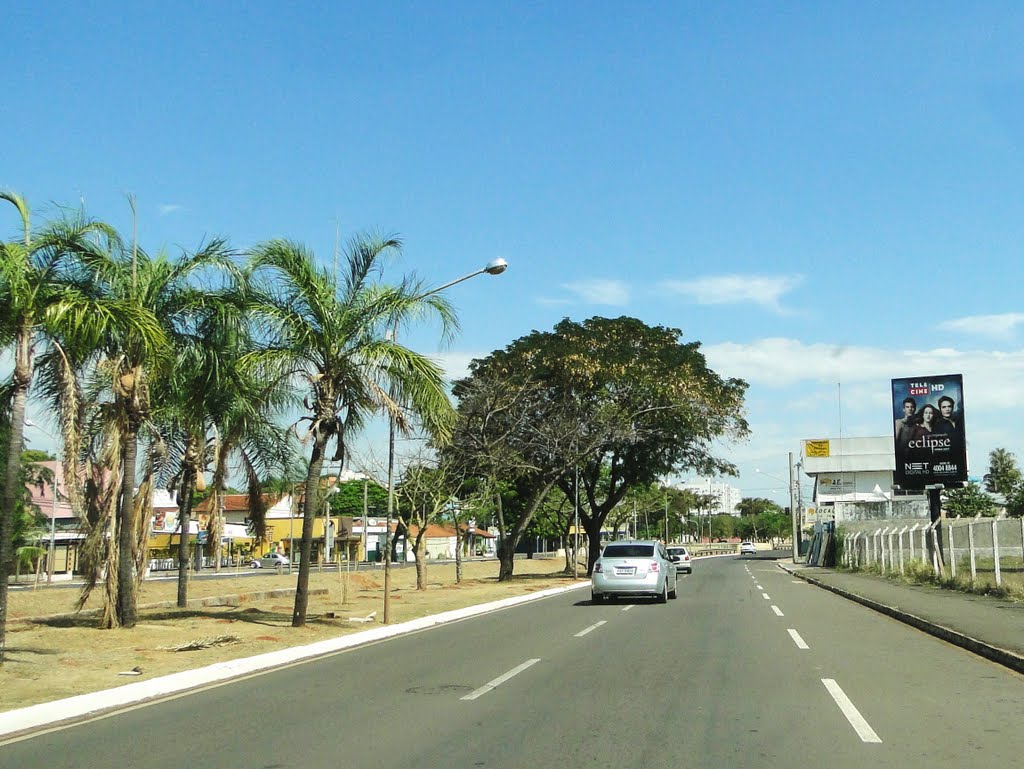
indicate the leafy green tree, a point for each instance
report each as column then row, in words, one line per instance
column 330, row 340
column 348, row 500
column 753, row 506
column 1003, row 473
column 1015, row 500
column 968, row 501
column 625, row 401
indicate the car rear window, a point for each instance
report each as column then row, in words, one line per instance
column 677, row 551
column 628, row 551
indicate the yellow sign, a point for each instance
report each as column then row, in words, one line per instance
column 816, row 448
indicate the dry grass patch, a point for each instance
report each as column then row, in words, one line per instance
column 66, row 654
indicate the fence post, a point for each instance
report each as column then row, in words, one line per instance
column 924, row 544
column 911, row 540
column 995, row 550
column 881, row 547
column 899, row 541
column 952, row 551
column 970, row 546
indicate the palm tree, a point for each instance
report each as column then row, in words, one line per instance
column 1003, row 473
column 330, row 340
column 43, row 301
column 207, row 392
column 170, row 290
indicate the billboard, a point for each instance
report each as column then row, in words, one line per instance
column 928, row 431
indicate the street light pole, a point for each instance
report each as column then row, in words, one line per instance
column 494, row 267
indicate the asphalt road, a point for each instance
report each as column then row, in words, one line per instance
column 748, row 668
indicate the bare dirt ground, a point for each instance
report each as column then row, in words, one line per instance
column 53, row 653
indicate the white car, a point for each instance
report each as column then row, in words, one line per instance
column 748, row 548
column 269, row 561
column 681, row 557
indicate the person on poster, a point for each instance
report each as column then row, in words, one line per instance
column 923, row 429
column 903, row 427
column 947, row 423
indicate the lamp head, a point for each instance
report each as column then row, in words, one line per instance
column 496, row 266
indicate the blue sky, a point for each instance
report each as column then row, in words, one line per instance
column 825, row 195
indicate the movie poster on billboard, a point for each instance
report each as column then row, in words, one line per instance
column 928, row 431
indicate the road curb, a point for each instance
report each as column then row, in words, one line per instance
column 64, row 712
column 981, row 648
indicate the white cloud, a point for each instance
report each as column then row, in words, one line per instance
column 990, row 378
column 456, row 364
column 763, row 290
column 599, row 291
column 994, row 326
column 169, row 208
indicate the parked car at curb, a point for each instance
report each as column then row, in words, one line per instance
column 681, row 557
column 633, row 568
column 269, row 561
column 748, row 548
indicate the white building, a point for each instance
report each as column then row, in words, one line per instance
column 726, row 497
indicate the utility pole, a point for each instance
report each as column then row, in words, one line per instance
column 793, row 512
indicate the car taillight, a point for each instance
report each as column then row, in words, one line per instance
column 653, row 567
column 686, row 557
column 597, row 568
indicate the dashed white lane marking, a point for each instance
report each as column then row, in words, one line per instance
column 491, row 685
column 800, row 643
column 627, row 608
column 798, row 582
column 857, row 721
column 586, row 630
column 766, row 596
column 759, row 587
column 778, row 611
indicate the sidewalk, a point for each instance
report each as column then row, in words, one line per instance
column 990, row 627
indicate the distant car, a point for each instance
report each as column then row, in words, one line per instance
column 748, row 548
column 634, row 568
column 681, row 557
column 269, row 561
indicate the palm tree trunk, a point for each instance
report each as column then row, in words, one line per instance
column 184, row 516
column 316, row 463
column 22, row 377
column 127, row 598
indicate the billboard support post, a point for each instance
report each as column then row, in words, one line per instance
column 935, row 515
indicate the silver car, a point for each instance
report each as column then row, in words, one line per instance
column 632, row 568
column 269, row 561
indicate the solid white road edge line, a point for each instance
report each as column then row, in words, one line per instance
column 857, row 721
column 627, row 608
column 586, row 630
column 95, row 703
column 800, row 643
column 491, row 685
column 778, row 611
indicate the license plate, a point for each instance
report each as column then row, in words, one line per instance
column 625, row 570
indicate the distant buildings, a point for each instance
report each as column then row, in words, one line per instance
column 726, row 497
